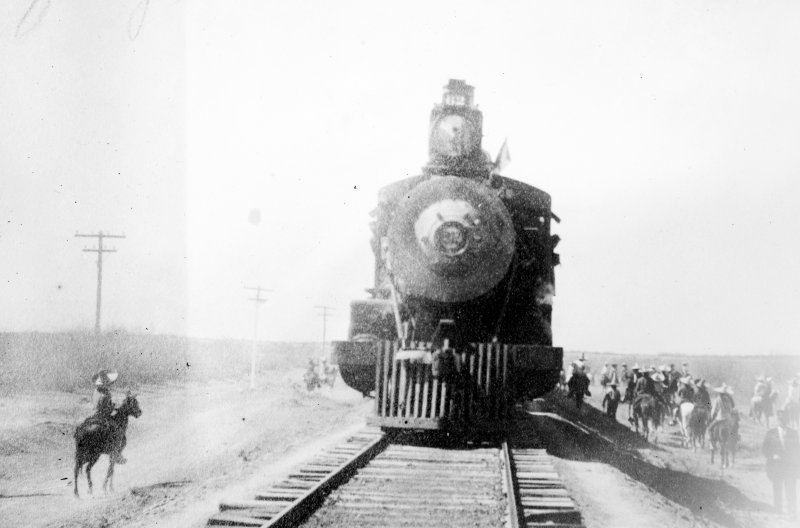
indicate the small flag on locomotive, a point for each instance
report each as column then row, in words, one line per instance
column 457, row 326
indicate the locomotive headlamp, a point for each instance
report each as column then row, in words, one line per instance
column 455, row 126
column 452, row 136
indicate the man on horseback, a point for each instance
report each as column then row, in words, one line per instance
column 104, row 406
column 763, row 397
column 630, row 390
column 646, row 385
column 685, row 394
column 722, row 408
column 701, row 396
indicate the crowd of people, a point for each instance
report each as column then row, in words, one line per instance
column 671, row 387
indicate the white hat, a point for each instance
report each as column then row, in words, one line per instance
column 105, row 377
column 657, row 377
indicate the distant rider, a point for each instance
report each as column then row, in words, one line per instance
column 685, row 394
column 722, row 408
column 702, row 398
column 104, row 406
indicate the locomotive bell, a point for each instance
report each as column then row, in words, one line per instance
column 450, row 240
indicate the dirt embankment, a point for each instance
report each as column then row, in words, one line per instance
column 194, row 443
column 618, row 479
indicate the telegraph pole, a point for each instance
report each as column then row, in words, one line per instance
column 324, row 313
column 99, row 250
column 259, row 301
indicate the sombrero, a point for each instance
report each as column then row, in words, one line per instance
column 105, row 377
column 635, row 367
column 686, row 380
column 657, row 377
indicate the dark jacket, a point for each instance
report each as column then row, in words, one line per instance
column 579, row 384
column 783, row 461
column 702, row 397
column 103, row 405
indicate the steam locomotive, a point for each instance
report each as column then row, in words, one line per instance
column 457, row 325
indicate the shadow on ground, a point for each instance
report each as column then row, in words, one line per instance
column 588, row 435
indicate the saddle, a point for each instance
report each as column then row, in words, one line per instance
column 96, row 422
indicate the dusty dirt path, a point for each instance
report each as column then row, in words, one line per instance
column 199, row 443
column 192, row 445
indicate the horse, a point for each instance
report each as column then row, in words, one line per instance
column 761, row 406
column 725, row 436
column 96, row 437
column 648, row 410
column 694, row 421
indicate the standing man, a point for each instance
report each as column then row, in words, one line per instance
column 792, row 405
column 611, row 401
column 624, row 375
column 782, row 449
column 613, row 375
column 604, row 376
column 578, row 386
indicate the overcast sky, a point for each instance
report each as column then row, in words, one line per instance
column 243, row 143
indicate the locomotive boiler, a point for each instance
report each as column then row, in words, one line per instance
column 457, row 325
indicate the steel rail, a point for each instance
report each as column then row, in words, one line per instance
column 290, row 502
column 515, row 519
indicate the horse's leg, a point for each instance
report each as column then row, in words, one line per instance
column 92, row 461
column 108, row 483
column 723, row 452
column 78, row 464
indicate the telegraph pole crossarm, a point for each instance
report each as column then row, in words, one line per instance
column 99, row 250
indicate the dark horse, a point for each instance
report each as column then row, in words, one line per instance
column 95, row 437
column 725, row 436
column 649, row 411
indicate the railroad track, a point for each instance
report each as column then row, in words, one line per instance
column 376, row 479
